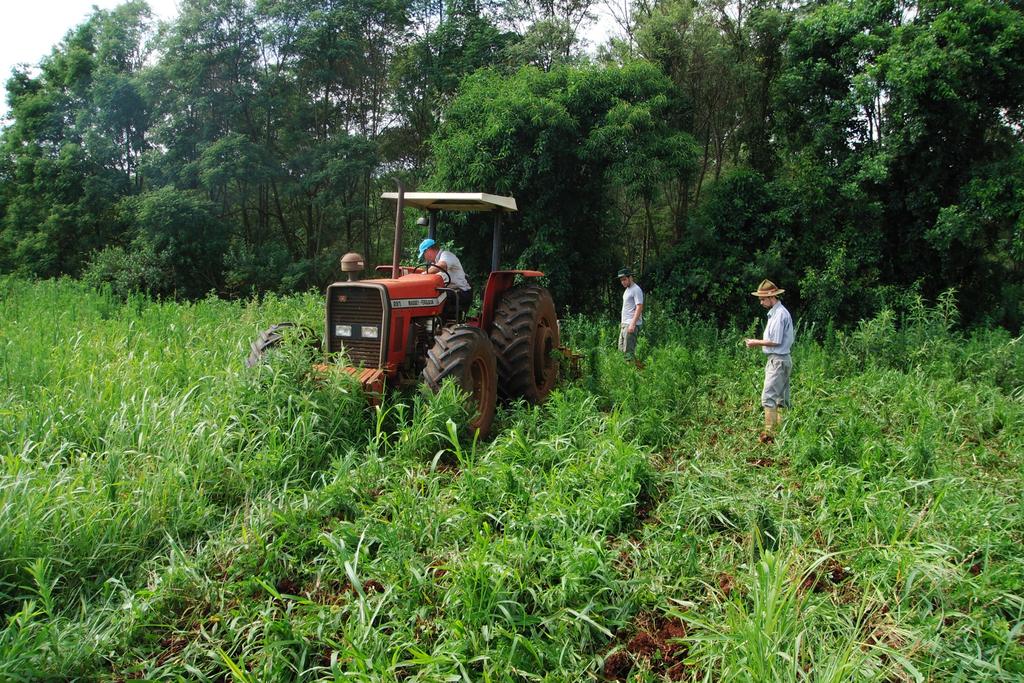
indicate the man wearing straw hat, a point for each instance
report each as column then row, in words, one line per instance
column 775, row 343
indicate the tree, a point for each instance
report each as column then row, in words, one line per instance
column 549, row 31
column 559, row 142
column 430, row 68
column 80, row 128
column 955, row 79
column 178, row 248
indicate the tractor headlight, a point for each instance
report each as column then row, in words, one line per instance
column 342, row 330
column 370, row 331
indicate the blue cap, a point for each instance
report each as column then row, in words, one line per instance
column 426, row 244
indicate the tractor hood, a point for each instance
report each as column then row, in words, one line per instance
column 412, row 285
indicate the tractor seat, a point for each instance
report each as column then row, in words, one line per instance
column 457, row 304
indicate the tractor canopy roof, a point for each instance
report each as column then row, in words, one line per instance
column 456, row 201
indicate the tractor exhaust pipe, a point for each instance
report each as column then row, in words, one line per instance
column 396, row 254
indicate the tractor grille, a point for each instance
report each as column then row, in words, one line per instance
column 358, row 306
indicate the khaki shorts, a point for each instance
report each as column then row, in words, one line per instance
column 776, row 381
column 627, row 341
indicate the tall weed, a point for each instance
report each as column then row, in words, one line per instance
column 166, row 515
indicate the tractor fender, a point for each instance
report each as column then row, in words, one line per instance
column 499, row 282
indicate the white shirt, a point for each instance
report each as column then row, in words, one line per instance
column 455, row 271
column 779, row 330
column 632, row 297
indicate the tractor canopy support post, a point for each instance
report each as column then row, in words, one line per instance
column 496, row 243
column 397, row 252
column 432, row 224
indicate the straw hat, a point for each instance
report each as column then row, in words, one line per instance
column 766, row 289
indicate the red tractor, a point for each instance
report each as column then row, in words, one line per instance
column 393, row 330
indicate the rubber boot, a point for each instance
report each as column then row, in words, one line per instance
column 771, row 417
column 778, row 418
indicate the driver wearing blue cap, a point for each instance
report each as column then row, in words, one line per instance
column 439, row 260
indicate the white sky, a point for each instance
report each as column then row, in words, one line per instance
column 29, row 29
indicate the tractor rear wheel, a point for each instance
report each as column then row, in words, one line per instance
column 465, row 354
column 525, row 333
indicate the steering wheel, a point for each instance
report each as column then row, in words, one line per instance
column 445, row 277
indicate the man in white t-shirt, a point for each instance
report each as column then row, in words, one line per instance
column 632, row 313
column 439, row 260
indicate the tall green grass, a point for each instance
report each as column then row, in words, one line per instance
column 167, row 515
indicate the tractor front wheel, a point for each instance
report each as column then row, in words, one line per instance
column 525, row 333
column 274, row 336
column 465, row 354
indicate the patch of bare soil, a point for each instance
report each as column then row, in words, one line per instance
column 657, row 642
column 617, row 666
column 448, row 464
column 438, row 569
column 334, row 592
column 288, row 586
column 373, row 586
column 645, row 504
column 827, row 575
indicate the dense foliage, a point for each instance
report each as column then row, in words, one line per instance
column 851, row 150
column 167, row 515
column 573, row 145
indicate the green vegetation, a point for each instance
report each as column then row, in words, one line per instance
column 166, row 515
